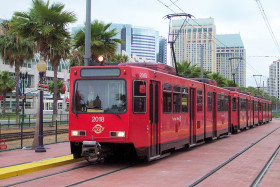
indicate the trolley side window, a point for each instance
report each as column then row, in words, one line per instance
column 226, row 103
column 219, row 103
column 255, row 106
column 185, row 94
column 176, row 98
column 243, row 104
column 199, row 101
column 234, row 104
column 167, row 98
column 209, row 101
column 139, row 96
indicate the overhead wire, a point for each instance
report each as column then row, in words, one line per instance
column 268, row 24
column 250, row 67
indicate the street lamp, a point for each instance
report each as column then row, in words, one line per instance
column 41, row 67
column 22, row 77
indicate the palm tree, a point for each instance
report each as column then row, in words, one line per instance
column 76, row 58
column 15, row 50
column 102, row 40
column 7, row 85
column 58, row 52
column 120, row 58
column 218, row 78
column 206, row 74
column 230, row 83
column 45, row 23
column 190, row 71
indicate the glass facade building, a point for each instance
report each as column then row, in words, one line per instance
column 140, row 44
column 231, row 46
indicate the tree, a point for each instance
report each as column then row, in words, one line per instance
column 7, row 85
column 120, row 58
column 102, row 40
column 230, row 83
column 218, row 78
column 76, row 58
column 206, row 74
column 58, row 52
column 46, row 24
column 60, row 85
column 190, row 71
column 15, row 50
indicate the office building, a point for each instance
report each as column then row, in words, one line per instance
column 31, row 87
column 162, row 57
column 231, row 57
column 197, row 36
column 274, row 79
column 140, row 44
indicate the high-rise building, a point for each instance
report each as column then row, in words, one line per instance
column 274, row 79
column 231, row 57
column 139, row 43
column 162, row 57
column 197, row 36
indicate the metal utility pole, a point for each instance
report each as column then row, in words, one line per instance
column 263, row 89
column 88, row 33
column 258, row 84
column 175, row 35
column 201, row 60
column 234, row 69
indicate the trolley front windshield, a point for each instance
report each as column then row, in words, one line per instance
column 99, row 96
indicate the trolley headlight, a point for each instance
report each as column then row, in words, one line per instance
column 117, row 134
column 78, row 133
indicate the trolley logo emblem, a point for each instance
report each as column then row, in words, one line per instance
column 98, row 129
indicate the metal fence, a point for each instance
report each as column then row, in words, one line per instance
column 21, row 135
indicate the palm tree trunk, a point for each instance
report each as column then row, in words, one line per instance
column 55, row 92
column 4, row 105
column 17, row 90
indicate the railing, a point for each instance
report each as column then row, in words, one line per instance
column 30, row 119
column 21, row 135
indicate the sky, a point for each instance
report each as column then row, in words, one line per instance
column 231, row 17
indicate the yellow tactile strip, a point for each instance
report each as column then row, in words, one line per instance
column 22, row 169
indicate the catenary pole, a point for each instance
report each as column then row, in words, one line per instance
column 201, row 60
column 88, row 33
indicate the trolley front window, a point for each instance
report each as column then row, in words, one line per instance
column 99, row 96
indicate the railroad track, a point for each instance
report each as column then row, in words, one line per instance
column 260, row 176
column 214, row 170
column 88, row 164
column 26, row 135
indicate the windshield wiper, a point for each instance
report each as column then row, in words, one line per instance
column 118, row 116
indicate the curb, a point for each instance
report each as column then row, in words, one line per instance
column 22, row 169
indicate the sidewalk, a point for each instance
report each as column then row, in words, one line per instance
column 20, row 156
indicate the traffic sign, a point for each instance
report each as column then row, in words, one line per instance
column 43, row 87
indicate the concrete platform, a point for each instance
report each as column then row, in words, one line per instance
column 30, row 161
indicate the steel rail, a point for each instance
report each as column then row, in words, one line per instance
column 260, row 176
column 229, row 160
